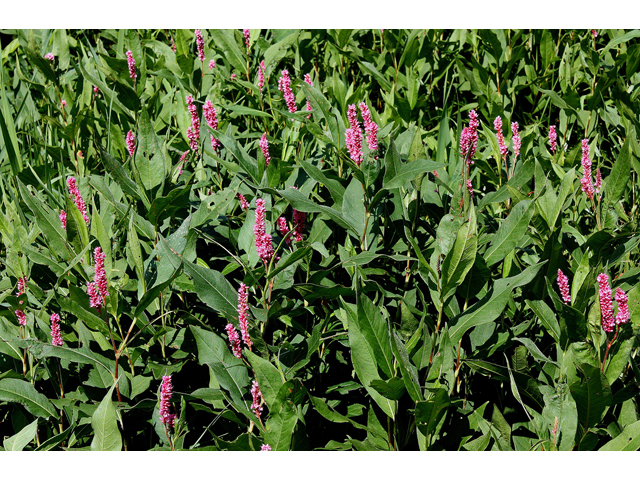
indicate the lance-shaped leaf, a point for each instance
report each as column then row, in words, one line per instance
column 20, row 391
column 510, row 232
column 105, row 426
column 460, row 258
column 592, row 395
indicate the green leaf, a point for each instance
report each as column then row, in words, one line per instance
column 619, row 361
column 353, row 209
column 487, row 310
column 227, row 44
column 393, row 389
column 627, row 441
column 21, row 439
column 510, row 232
column 370, row 69
column 149, row 158
column 268, row 377
column 8, row 130
column 335, row 188
column 213, row 289
column 430, row 412
column 19, row 391
column 460, row 258
column 409, row 371
column 409, row 171
column 534, row 350
column 247, row 163
column 592, row 395
column 279, row 428
column 118, row 173
column 620, row 174
column 105, row 426
column 135, row 252
column 546, row 316
column 77, row 232
column 375, row 331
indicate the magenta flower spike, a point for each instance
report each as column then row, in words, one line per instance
column 594, row 33
column 182, row 161
column 244, row 205
column 307, row 80
column 98, row 289
column 63, row 103
column 264, row 146
column 211, row 117
column 298, row 224
column 56, row 337
column 261, row 75
column 553, row 136
column 257, row 397
column 22, row 286
column 247, row 33
column 234, row 340
column 131, row 143
column 284, row 85
column 515, row 139
column 370, row 127
column 212, row 64
column 63, row 219
column 470, row 187
column 95, row 91
column 265, row 447
column 173, row 45
column 469, row 138
column 200, row 44
column 606, row 309
column 623, row 309
column 263, row 240
column 22, row 317
column 587, row 185
column 73, row 190
column 563, row 284
column 497, row 125
column 598, row 180
column 49, row 56
column 353, row 136
column 166, row 392
column 243, row 319
column 233, row 77
column 193, row 132
column 132, row 65
column 284, row 230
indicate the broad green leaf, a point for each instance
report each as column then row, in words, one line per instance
column 353, row 209
column 247, row 163
column 370, row 69
column 20, row 391
column 534, row 350
column 592, row 395
column 149, row 158
column 334, row 186
column 213, row 289
column 409, row 171
column 393, row 389
column 375, row 330
column 279, row 428
column 619, row 361
column 510, row 232
column 21, row 439
column 487, row 310
column 409, row 371
column 105, row 426
column 8, row 129
column 121, row 177
column 620, row 174
column 546, row 316
column 135, row 252
column 460, row 258
column 627, row 441
column 429, row 412
column 268, row 377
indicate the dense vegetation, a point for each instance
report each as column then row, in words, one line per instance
column 326, row 239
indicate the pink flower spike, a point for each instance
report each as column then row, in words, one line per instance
column 370, row 127
column 553, row 136
column 22, row 317
column 244, row 205
column 210, row 115
column 606, row 309
column 49, row 56
column 131, row 143
column 623, row 308
column 100, row 276
column 352, row 116
column 470, row 187
column 284, row 230
column 233, row 77
column 212, row 64
column 56, row 337
column 234, row 340
column 298, row 224
column 563, row 284
column 63, row 103
column 200, row 44
column 63, row 219
column 173, row 45
column 132, row 65
column 265, row 447
column 598, row 180
column 353, row 136
column 261, row 75
column 182, row 161
column 264, row 146
column 75, row 192
column 594, row 33
column 515, row 139
column 587, row 184
column 246, row 32
column 263, row 240
column 95, row 91
column 469, row 138
column 257, row 398
column 22, row 286
column 243, row 308
column 284, row 85
column 166, row 392
column 193, row 132
column 497, row 125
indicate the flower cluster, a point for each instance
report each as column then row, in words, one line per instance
column 56, row 337
column 243, row 308
column 497, row 125
column 166, row 392
column 75, row 192
column 265, row 447
column 598, row 183
column 298, row 224
column 49, row 56
column 212, row 63
column 256, row 406
column 182, row 161
column 606, row 309
column 98, row 288
column 623, row 308
column 261, row 75
column 95, row 91
column 234, row 340
column 587, row 184
column 284, row 230
column 263, row 240
column 469, row 138
column 200, row 44
column 63, row 103
column 22, row 317
column 246, row 33
column 353, row 136
column 553, row 137
column 132, row 65
column 515, row 139
column 173, row 45
column 211, row 117
column 307, row 80
column 22, row 286
column 284, row 85
column 563, row 284
column 370, row 127
column 193, row 132
column 470, row 187
column 243, row 202
column 264, row 146
column 131, row 143
column 63, row 219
